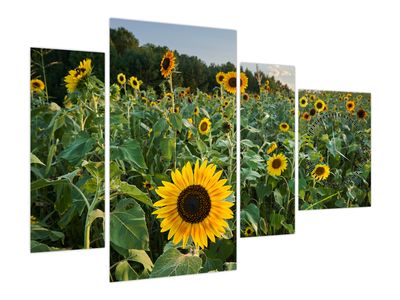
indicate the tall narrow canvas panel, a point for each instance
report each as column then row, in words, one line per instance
column 67, row 150
column 267, row 150
column 172, row 136
column 334, row 149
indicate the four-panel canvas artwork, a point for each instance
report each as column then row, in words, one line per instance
column 173, row 190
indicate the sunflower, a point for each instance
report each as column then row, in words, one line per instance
column 350, row 106
column 121, row 78
column 225, row 104
column 319, row 105
column 196, row 111
column 168, row 95
column 244, row 81
column 277, row 164
column 37, row 85
column 303, row 101
column 312, row 111
column 306, row 116
column 362, row 114
column 135, row 83
column 245, row 96
column 230, row 82
column 167, row 64
column 148, row 186
column 257, row 97
column 190, row 120
column 75, row 76
column 359, row 97
column 176, row 109
column 193, row 205
column 220, row 77
column 320, row 172
column 272, row 148
column 313, row 97
column 205, row 126
column 284, row 127
column 248, row 231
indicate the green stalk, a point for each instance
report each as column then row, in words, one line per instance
column 44, row 74
column 323, row 200
column 173, row 110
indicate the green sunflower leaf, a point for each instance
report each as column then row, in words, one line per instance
column 128, row 228
column 173, row 263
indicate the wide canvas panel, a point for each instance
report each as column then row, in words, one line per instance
column 172, row 139
column 267, row 110
column 67, row 149
column 334, row 149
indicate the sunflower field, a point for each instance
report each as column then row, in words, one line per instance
column 267, row 159
column 334, row 149
column 172, row 174
column 67, row 151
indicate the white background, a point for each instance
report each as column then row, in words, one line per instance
column 335, row 254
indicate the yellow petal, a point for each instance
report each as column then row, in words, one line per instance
column 218, row 185
column 166, row 201
column 220, row 197
column 186, row 234
column 174, row 228
column 196, row 172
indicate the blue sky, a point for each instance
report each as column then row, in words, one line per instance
column 211, row 45
column 286, row 74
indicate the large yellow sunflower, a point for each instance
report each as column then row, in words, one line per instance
column 204, row 126
column 75, row 76
column 220, row 77
column 319, row 105
column 193, row 205
column 303, row 101
column 277, row 164
column 121, row 78
column 230, row 82
column 135, row 83
column 244, row 81
column 37, row 85
column 350, row 106
column 284, row 127
column 167, row 63
column 320, row 172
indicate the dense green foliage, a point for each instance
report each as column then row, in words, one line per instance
column 339, row 137
column 267, row 200
column 67, row 158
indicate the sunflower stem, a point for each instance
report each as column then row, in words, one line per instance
column 173, row 111
column 44, row 73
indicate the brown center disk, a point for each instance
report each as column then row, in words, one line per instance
column 276, row 163
column 319, row 171
column 232, row 82
column 204, row 126
column 166, row 63
column 194, row 204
